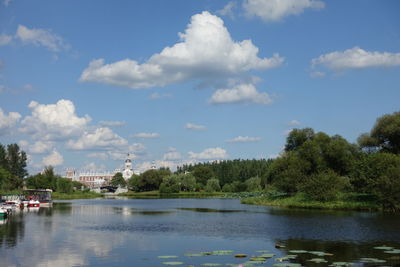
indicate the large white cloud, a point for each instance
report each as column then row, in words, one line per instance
column 54, row 159
column 39, row 147
column 206, row 53
column 209, row 153
column 275, row 10
column 240, row 93
column 357, row 58
column 100, row 139
column 7, row 122
column 40, row 37
column 54, row 121
column 172, row 155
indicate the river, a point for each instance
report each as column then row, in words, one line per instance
column 136, row 232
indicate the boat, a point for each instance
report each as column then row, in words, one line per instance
column 33, row 203
column 41, row 195
column 3, row 213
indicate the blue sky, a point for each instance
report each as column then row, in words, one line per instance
column 82, row 83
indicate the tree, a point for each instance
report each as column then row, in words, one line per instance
column 324, row 186
column 384, row 136
column 213, row 185
column 203, row 173
column 151, row 179
column 253, row 184
column 188, row 182
column 133, row 183
column 14, row 162
column 171, row 184
column 5, row 180
column 297, row 137
column 118, row 180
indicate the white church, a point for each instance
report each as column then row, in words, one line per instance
column 96, row 179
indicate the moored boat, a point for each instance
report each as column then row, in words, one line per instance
column 3, row 213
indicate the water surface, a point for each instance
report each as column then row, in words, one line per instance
column 134, row 232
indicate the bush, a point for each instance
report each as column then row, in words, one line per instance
column 253, row 184
column 213, row 185
column 227, row 188
column 324, row 186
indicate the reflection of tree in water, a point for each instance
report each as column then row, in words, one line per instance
column 12, row 231
column 63, row 208
column 342, row 251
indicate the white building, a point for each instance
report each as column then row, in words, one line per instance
column 97, row 179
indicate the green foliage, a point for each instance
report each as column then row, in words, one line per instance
column 253, row 184
column 227, row 188
column 6, row 180
column 188, row 182
column 203, row 173
column 64, row 185
column 49, row 180
column 13, row 160
column 118, row 180
column 213, row 185
column 149, row 180
column 384, row 136
column 324, row 186
column 379, row 174
column 171, row 184
column 297, row 137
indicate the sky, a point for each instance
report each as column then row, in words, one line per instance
column 83, row 83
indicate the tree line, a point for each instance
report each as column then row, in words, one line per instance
column 314, row 164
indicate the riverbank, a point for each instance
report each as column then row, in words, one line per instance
column 356, row 202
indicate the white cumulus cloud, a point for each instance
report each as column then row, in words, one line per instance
column 7, row 122
column 244, row 139
column 39, row 147
column 40, row 37
column 228, row 9
column 240, row 93
column 206, row 53
column 54, row 121
column 54, row 159
column 209, row 153
column 195, row 127
column 356, row 58
column 100, row 139
column 276, row 10
column 146, row 135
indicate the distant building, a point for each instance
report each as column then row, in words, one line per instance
column 97, row 179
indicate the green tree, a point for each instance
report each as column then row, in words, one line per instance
column 171, row 184
column 118, row 180
column 133, row 183
column 64, row 185
column 151, row 179
column 213, row 185
column 385, row 135
column 297, row 137
column 203, row 173
column 227, row 188
column 5, row 180
column 324, row 186
column 188, row 182
column 253, row 184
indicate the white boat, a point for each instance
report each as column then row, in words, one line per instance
column 33, row 203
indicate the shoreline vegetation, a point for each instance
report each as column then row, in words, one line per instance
column 315, row 171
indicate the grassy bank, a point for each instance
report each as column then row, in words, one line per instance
column 75, row 195
column 344, row 202
column 172, row 195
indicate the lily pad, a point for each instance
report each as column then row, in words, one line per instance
column 240, row 255
column 341, row 263
column 167, row 257
column 371, row 260
column 318, row 260
column 262, row 251
column 286, row 258
column 222, row 252
column 261, row 259
column 384, row 248
column 287, row 264
column 393, row 251
column 320, row 253
column 266, row 256
column 298, row 251
column 211, row 264
column 172, row 262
